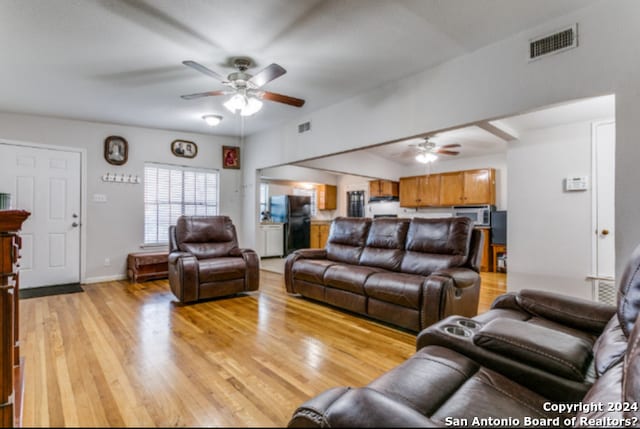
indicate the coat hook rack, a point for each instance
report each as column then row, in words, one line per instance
column 121, row 178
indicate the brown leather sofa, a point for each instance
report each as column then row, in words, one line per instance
column 507, row 366
column 409, row 273
column 205, row 261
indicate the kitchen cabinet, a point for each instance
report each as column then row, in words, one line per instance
column 420, row 191
column 272, row 240
column 456, row 188
column 383, row 189
column 485, row 263
column 327, row 197
column 319, row 235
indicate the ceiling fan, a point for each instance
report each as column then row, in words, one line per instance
column 245, row 89
column 428, row 151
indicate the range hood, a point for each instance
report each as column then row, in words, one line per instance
column 387, row 198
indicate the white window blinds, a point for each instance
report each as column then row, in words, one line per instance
column 170, row 191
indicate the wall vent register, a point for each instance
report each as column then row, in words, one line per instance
column 558, row 41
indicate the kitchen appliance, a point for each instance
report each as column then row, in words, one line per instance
column 382, row 208
column 294, row 212
column 480, row 215
column 499, row 227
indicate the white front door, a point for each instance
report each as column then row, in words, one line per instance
column 45, row 182
column 604, row 139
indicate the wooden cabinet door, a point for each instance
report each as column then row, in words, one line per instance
column 429, row 190
column 323, row 235
column 388, row 188
column 485, row 263
column 409, row 191
column 374, row 188
column 314, row 239
column 479, row 186
column 326, row 197
column 451, row 189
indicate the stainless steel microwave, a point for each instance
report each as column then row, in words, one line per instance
column 480, row 215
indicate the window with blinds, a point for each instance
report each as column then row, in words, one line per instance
column 170, row 191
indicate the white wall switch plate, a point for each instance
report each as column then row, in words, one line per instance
column 99, row 198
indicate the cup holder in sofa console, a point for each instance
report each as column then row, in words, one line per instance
column 457, row 331
column 467, row 323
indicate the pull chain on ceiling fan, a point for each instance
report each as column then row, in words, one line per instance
column 246, row 93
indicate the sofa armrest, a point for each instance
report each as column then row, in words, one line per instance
column 577, row 313
column 447, row 292
column 183, row 276
column 293, row 257
column 252, row 273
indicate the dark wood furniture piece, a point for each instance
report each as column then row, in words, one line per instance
column 11, row 365
column 497, row 249
column 143, row 266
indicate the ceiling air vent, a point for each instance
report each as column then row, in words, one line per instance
column 558, row 41
column 303, row 128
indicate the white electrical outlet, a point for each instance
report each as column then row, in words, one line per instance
column 107, row 262
column 99, row 198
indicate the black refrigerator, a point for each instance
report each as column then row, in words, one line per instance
column 294, row 211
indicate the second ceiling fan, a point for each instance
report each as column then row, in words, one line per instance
column 428, row 151
column 246, row 89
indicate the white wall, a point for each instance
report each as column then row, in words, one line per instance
column 359, row 163
column 549, row 230
column 295, row 173
column 125, row 206
column 492, row 82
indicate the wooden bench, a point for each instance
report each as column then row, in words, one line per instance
column 143, row 266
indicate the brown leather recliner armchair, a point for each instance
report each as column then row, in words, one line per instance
column 205, row 260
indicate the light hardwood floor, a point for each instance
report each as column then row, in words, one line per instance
column 123, row 354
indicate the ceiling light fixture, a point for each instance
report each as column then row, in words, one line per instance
column 426, row 158
column 212, row 120
column 246, row 105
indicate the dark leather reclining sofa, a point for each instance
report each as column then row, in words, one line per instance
column 409, row 273
column 535, row 359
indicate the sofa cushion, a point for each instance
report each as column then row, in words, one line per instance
column 397, row 288
column 347, row 238
column 629, row 293
column 206, row 236
column 348, row 277
column 385, row 244
column 220, row 269
column 610, row 347
column 311, row 270
column 434, row 244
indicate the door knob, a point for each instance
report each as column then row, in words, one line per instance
column 75, row 215
column 75, row 224
column 605, row 232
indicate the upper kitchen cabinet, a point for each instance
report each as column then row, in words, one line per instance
column 420, row 191
column 468, row 187
column 383, row 189
column 479, row 186
column 327, row 197
column 456, row 188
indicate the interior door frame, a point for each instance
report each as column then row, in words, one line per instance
column 83, row 191
column 594, row 197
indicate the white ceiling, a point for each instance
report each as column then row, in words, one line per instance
column 120, row 60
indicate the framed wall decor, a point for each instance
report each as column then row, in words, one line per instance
column 231, row 157
column 184, row 148
column 116, row 150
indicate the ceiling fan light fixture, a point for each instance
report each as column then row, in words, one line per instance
column 212, row 120
column 426, row 158
column 237, row 102
column 253, row 106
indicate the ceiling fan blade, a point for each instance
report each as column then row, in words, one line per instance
column 268, row 74
column 273, row 96
column 446, row 152
column 202, row 94
column 449, row 146
column 205, row 70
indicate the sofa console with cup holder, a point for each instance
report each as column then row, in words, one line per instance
column 407, row 272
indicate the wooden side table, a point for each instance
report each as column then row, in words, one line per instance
column 148, row 265
column 497, row 248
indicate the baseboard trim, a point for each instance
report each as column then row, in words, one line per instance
column 102, row 279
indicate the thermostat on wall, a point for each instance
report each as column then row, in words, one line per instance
column 576, row 183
